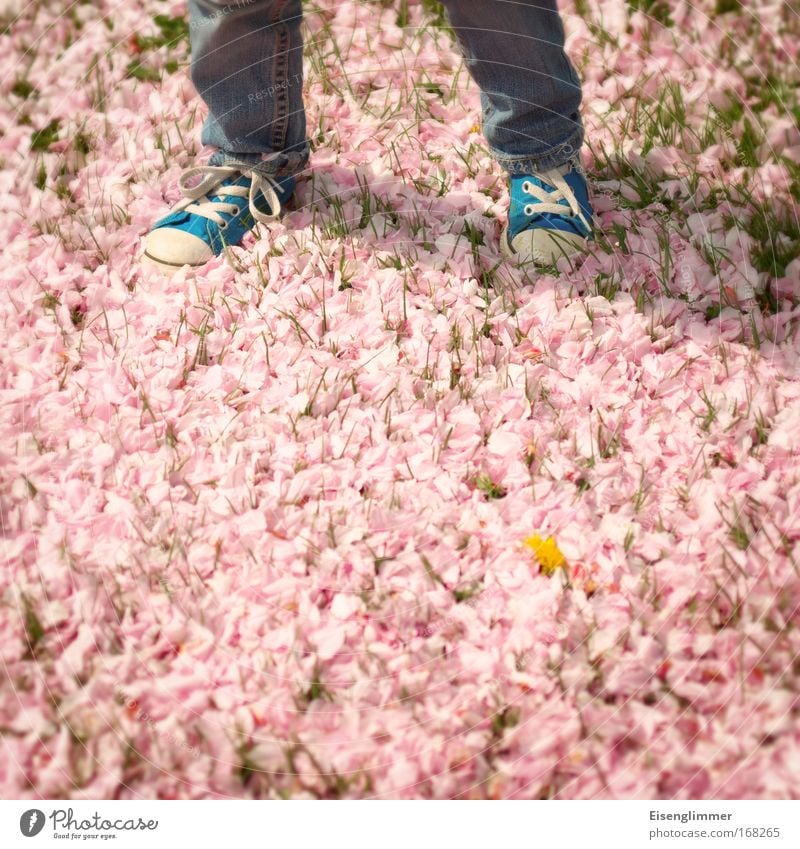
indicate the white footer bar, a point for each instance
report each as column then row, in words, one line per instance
column 402, row 825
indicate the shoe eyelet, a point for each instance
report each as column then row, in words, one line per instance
column 529, row 209
column 223, row 225
column 526, row 187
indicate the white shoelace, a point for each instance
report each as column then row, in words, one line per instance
column 548, row 201
column 210, row 186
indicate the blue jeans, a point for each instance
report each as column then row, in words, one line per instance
column 247, row 65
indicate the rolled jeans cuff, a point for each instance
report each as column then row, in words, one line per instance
column 563, row 153
column 267, row 164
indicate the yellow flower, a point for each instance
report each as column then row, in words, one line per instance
column 547, row 553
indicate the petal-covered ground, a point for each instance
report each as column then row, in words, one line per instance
column 371, row 513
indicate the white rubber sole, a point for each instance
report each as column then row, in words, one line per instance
column 541, row 246
column 170, row 249
column 167, row 267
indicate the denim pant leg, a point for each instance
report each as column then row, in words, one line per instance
column 530, row 91
column 247, row 65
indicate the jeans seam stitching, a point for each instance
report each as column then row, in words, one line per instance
column 280, row 76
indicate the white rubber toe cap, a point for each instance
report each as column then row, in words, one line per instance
column 169, row 247
column 542, row 246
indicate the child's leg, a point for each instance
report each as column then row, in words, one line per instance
column 247, row 65
column 530, row 92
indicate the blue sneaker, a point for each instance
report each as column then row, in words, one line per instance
column 550, row 216
column 217, row 211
